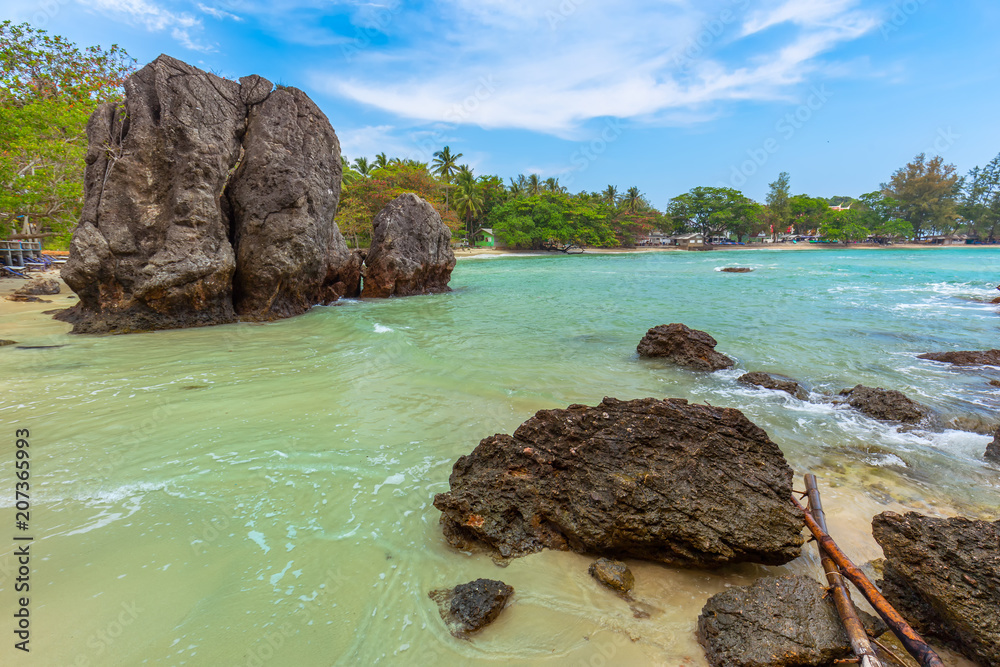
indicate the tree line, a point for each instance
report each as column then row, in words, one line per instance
column 49, row 87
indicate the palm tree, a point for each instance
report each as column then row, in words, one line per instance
column 445, row 163
column 516, row 188
column 381, row 161
column 552, row 185
column 362, row 166
column 632, row 199
column 468, row 197
column 610, row 196
column 534, row 184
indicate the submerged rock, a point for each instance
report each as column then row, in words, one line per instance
column 965, row 358
column 995, row 300
column 614, row 574
column 776, row 622
column 684, row 346
column 4, row 343
column 39, row 286
column 410, row 251
column 736, row 269
column 470, row 607
column 885, row 404
column 661, row 480
column 943, row 575
column 195, row 180
column 993, row 449
column 772, row 382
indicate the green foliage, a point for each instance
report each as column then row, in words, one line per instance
column 981, row 200
column 531, row 221
column 926, row 191
column 778, row 213
column 714, row 211
column 844, row 226
column 48, row 89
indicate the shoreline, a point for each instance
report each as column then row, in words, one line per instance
column 465, row 253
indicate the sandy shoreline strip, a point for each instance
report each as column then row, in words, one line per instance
column 461, row 253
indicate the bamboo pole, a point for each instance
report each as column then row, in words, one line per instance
column 913, row 642
column 841, row 595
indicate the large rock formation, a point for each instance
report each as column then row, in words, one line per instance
column 885, row 404
column 758, row 379
column 943, row 575
column 410, row 251
column 776, row 622
column 197, row 178
column 965, row 358
column 683, row 346
column 662, row 480
column 468, row 608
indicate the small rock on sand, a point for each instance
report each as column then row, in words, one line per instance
column 470, row 607
column 614, row 574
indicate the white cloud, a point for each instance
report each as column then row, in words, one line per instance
column 553, row 65
column 220, row 14
column 155, row 18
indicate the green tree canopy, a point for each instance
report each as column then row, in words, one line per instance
column 926, row 191
column 48, row 89
column 714, row 211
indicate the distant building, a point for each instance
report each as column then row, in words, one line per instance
column 695, row 241
column 841, row 207
column 484, row 238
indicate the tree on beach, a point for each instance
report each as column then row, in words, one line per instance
column 981, row 199
column 48, row 89
column 468, row 198
column 882, row 217
column 445, row 163
column 926, row 191
column 807, row 212
column 632, row 199
column 362, row 166
column 610, row 196
column 713, row 211
column 778, row 208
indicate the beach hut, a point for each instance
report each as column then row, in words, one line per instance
column 695, row 241
column 485, row 238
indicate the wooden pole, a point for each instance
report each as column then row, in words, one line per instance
column 841, row 595
column 913, row 642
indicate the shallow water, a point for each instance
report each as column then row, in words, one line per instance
column 261, row 494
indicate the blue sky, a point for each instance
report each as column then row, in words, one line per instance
column 661, row 94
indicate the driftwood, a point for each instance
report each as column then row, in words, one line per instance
column 913, row 642
column 841, row 595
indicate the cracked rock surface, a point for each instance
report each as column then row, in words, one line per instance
column 666, row 481
column 776, row 622
column 206, row 200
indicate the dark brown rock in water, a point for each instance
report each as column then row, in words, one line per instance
column 684, row 346
column 995, row 383
column 943, row 575
column 24, row 298
column 776, row 622
column 736, row 269
column 771, row 382
column 410, row 251
column 193, row 167
column 283, row 197
column 468, row 608
column 885, row 404
column 661, row 480
column 965, row 358
column 614, row 574
column 995, row 300
column 7, row 342
column 39, row 286
column 993, row 449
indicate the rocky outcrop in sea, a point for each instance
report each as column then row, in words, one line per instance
column 965, row 357
column 777, row 383
column 684, row 346
column 410, row 251
column 206, row 200
column 886, row 404
column 667, row 481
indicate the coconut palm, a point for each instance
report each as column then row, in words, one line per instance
column 552, row 185
column 468, row 197
column 534, row 184
column 381, row 161
column 362, row 166
column 632, row 199
column 610, row 196
column 445, row 163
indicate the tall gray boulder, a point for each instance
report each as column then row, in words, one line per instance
column 165, row 227
column 410, row 251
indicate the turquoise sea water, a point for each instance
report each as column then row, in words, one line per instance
column 261, row 494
